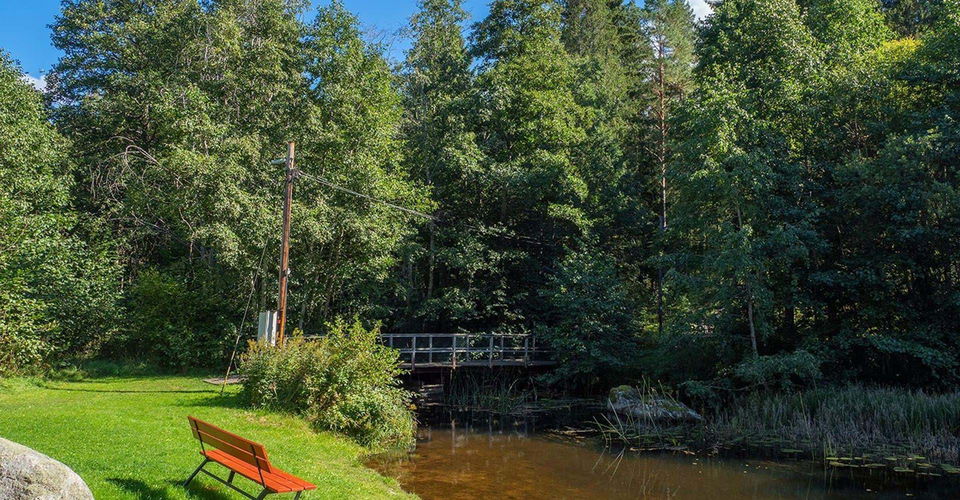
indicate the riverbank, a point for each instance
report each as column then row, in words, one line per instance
column 127, row 437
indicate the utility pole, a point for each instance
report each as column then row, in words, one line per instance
column 285, row 245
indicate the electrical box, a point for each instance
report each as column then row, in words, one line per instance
column 267, row 327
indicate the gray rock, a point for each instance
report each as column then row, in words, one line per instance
column 628, row 401
column 26, row 474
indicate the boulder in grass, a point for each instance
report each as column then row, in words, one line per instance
column 28, row 474
column 628, row 401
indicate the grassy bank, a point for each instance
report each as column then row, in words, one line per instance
column 128, row 437
column 852, row 426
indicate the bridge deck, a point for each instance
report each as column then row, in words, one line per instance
column 453, row 350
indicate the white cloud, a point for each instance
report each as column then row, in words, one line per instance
column 701, row 8
column 38, row 83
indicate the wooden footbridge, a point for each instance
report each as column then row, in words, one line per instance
column 420, row 351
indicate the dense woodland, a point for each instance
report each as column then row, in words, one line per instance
column 763, row 198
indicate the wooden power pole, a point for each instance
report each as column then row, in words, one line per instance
column 285, row 245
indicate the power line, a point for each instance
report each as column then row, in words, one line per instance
column 417, row 213
column 331, row 185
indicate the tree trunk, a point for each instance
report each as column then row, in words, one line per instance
column 662, row 159
column 753, row 328
column 433, row 259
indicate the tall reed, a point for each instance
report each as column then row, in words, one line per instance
column 850, row 419
column 498, row 391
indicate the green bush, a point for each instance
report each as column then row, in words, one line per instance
column 173, row 323
column 780, row 371
column 343, row 382
column 590, row 326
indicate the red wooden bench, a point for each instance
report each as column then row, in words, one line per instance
column 244, row 457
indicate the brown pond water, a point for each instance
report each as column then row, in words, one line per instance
column 469, row 462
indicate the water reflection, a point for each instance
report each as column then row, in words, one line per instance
column 509, row 459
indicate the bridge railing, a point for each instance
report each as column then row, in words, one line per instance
column 467, row 349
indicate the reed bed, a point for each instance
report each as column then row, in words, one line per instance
column 848, row 420
column 851, row 426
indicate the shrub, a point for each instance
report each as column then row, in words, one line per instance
column 173, row 323
column 589, row 326
column 780, row 372
column 343, row 382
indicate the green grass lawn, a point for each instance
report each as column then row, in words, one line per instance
column 129, row 438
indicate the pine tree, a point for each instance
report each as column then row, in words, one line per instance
column 668, row 26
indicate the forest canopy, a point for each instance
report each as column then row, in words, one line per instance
column 764, row 197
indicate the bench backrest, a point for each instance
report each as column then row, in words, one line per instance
column 243, row 449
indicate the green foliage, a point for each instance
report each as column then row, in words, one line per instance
column 343, row 382
column 813, row 207
column 57, row 292
column 589, row 325
column 442, row 154
column 175, row 327
column 530, row 129
column 177, row 109
column 779, row 372
column 911, row 17
column 741, row 202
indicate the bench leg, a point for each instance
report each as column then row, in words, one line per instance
column 195, row 473
column 297, row 496
column 263, row 494
column 230, row 478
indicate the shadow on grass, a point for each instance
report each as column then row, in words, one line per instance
column 226, row 400
column 143, row 490
column 130, row 391
column 211, row 494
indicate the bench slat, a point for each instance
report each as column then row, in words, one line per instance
column 276, row 481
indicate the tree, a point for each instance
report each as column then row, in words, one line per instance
column 668, row 27
column 442, row 154
column 910, row 18
column 347, row 245
column 57, row 293
column 590, row 322
column 897, row 266
column 178, row 107
column 742, row 227
column 529, row 128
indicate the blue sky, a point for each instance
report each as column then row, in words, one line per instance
column 25, row 35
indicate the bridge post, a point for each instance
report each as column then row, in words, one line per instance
column 453, row 356
column 526, row 350
column 491, row 351
column 413, row 354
